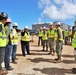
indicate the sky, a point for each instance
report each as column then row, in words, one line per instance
column 28, row 12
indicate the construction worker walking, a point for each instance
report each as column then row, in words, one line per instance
column 51, row 34
column 25, row 39
column 44, row 39
column 40, row 32
column 59, row 42
column 3, row 19
column 15, row 42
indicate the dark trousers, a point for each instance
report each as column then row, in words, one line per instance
column 25, row 47
column 39, row 39
column 8, row 52
column 14, row 52
column 2, row 55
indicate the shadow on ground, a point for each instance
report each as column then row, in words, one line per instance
column 54, row 71
column 37, row 60
column 69, row 61
column 68, row 56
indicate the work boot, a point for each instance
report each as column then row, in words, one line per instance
column 57, row 60
column 74, row 70
column 14, row 62
column 3, row 72
column 42, row 49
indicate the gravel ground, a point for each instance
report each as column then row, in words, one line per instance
column 40, row 63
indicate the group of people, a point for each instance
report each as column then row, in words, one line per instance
column 52, row 38
column 9, row 41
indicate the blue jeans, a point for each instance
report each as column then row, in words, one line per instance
column 14, row 52
column 8, row 52
column 2, row 54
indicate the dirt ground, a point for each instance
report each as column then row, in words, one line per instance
column 40, row 63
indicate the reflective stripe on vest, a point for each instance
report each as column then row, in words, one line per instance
column 56, row 36
column 51, row 33
column 26, row 37
column 61, row 39
column 2, row 36
column 66, row 33
column 15, row 39
column 44, row 37
column 40, row 33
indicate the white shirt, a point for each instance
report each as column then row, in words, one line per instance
column 13, row 34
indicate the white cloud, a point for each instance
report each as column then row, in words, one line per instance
column 58, row 9
column 39, row 20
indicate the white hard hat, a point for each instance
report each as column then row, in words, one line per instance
column 15, row 24
column 57, row 23
column 51, row 23
column 26, row 27
column 44, row 27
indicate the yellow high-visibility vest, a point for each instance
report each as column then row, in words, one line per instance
column 74, row 40
column 66, row 33
column 61, row 39
column 51, row 33
column 44, row 36
column 40, row 33
column 2, row 36
column 26, row 37
column 15, row 39
column 56, row 35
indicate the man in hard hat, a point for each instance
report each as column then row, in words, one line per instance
column 44, row 39
column 3, row 19
column 40, row 36
column 59, row 42
column 51, row 34
column 8, row 50
column 25, row 39
column 15, row 42
column 66, row 36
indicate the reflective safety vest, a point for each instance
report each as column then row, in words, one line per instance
column 61, row 39
column 2, row 35
column 70, row 32
column 74, row 40
column 66, row 33
column 51, row 33
column 26, row 37
column 11, row 37
column 40, row 33
column 15, row 39
column 56, row 35
column 44, row 36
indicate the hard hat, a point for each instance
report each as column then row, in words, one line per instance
column 3, row 15
column 44, row 27
column 15, row 24
column 40, row 27
column 58, row 23
column 8, row 20
column 26, row 27
column 51, row 23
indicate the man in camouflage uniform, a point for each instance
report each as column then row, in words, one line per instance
column 59, row 42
